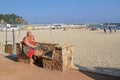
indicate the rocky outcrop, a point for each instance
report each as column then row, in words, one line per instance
column 11, row 19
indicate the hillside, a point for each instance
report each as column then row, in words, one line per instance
column 11, row 19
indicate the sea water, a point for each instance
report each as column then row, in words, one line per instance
column 102, row 27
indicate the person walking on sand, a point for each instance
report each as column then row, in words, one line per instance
column 104, row 30
column 110, row 29
column 29, row 47
column 115, row 30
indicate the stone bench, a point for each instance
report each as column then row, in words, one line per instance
column 56, row 57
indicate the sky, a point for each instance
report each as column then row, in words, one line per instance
column 63, row 11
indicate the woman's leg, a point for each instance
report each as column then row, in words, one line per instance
column 31, row 61
column 38, row 53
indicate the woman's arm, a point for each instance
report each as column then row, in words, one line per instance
column 25, row 40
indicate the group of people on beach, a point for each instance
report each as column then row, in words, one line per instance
column 110, row 29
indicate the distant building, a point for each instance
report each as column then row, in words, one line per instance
column 28, row 27
column 8, row 26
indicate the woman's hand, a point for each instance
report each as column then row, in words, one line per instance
column 33, row 46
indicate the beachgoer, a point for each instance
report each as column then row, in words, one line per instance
column 29, row 47
column 64, row 28
column 110, row 29
column 114, row 29
column 104, row 30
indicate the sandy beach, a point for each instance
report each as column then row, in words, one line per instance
column 94, row 51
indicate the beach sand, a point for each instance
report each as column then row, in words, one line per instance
column 94, row 51
column 11, row 70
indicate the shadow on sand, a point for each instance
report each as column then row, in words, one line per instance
column 12, row 57
column 101, row 73
column 37, row 62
